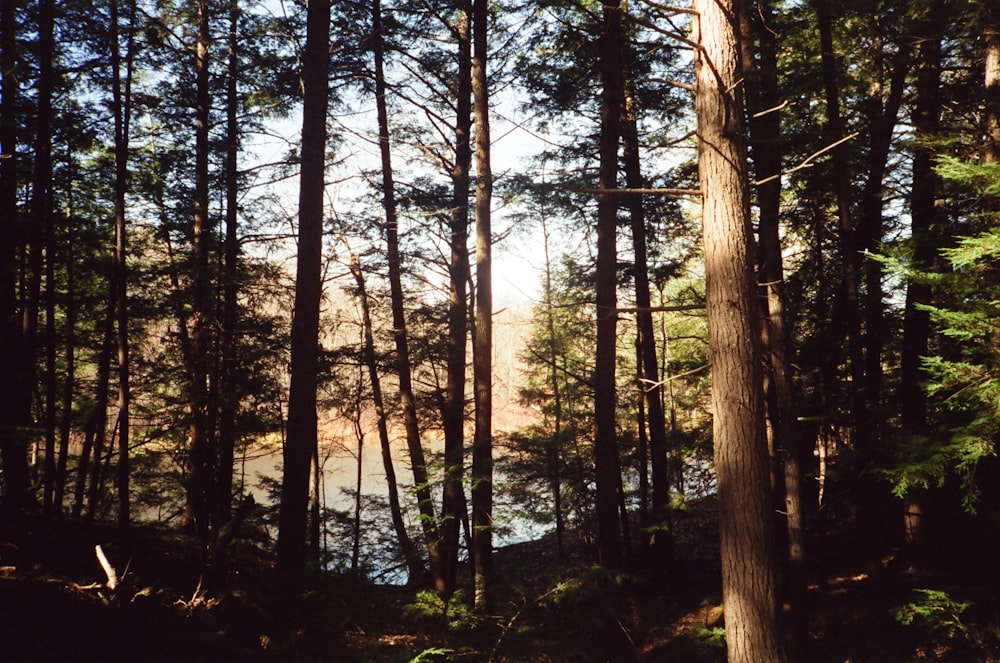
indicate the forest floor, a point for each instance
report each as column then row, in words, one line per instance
column 55, row 606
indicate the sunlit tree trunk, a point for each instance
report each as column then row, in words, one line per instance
column 482, row 449
column 991, row 153
column 606, row 462
column 301, row 440
column 747, row 530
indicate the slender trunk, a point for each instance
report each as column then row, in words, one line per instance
column 44, row 217
column 553, row 454
column 850, row 257
column 648, row 365
column 606, row 461
column 122, row 102
column 413, row 562
column 925, row 228
column 13, row 443
column 228, row 392
column 482, row 449
column 746, row 522
column 301, row 440
column 458, row 313
column 101, row 407
column 356, row 534
column 425, row 503
column 200, row 493
column 69, row 376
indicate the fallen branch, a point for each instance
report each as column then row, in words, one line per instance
column 108, row 569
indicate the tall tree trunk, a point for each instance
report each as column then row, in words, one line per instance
column 482, row 449
column 765, row 138
column 43, row 219
column 425, row 503
column 100, row 413
column 414, row 564
column 606, row 460
column 552, row 452
column 749, row 568
column 202, row 462
column 69, row 374
column 13, row 442
column 228, row 392
column 302, row 424
column 458, row 308
column 648, row 365
column 122, row 102
column 850, row 306
column 925, row 228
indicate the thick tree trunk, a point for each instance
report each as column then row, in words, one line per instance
column 606, row 462
column 301, row 440
column 749, row 569
column 425, row 503
column 458, row 308
column 482, row 448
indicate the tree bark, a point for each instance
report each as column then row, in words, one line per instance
column 122, row 102
column 458, row 308
column 648, row 365
column 991, row 151
column 414, row 564
column 302, row 422
column 482, row 448
column 13, row 442
column 925, row 229
column 749, row 570
column 45, row 235
column 228, row 391
column 787, row 443
column 200, row 487
column 425, row 503
column 606, row 462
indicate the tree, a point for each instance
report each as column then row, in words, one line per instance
column 425, row 503
column 201, row 433
column 301, row 440
column 749, row 574
column 606, row 460
column 453, row 407
column 482, row 448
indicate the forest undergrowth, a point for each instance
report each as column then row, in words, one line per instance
column 55, row 605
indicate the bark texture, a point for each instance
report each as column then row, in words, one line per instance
column 746, row 523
